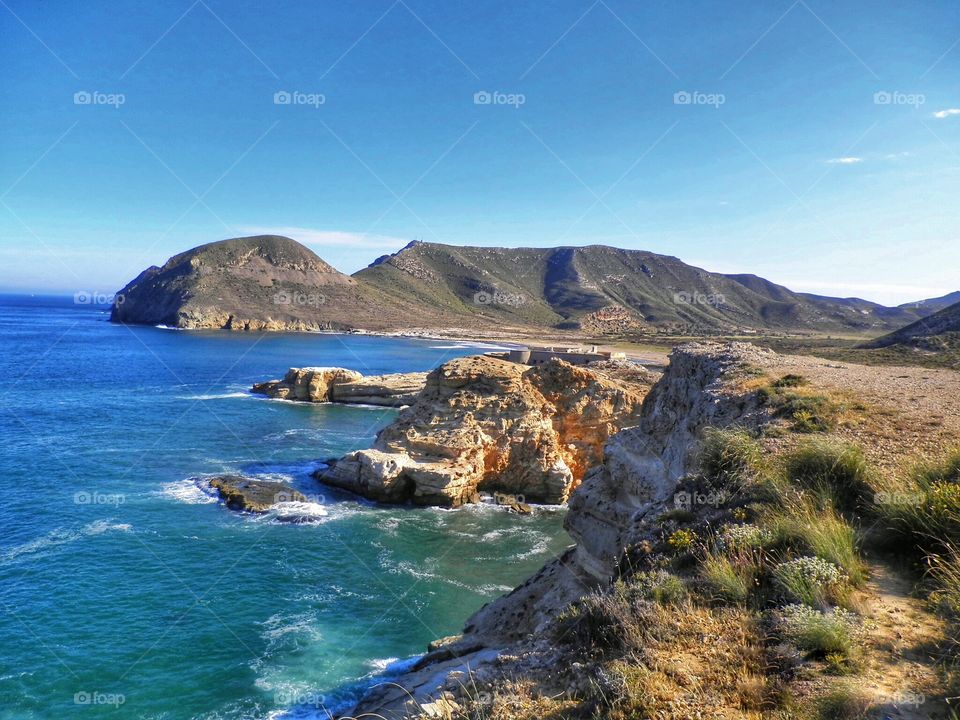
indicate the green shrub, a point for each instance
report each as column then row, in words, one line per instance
column 800, row 523
column 738, row 538
column 657, row 585
column 926, row 507
column 730, row 579
column 730, row 459
column 809, row 580
column 808, row 411
column 822, row 634
column 837, row 470
column 945, row 573
column 790, row 380
column 844, row 704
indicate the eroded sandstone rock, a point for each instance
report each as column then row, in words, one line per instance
column 330, row 384
column 485, row 424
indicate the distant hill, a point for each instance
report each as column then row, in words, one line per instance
column 599, row 288
column 274, row 283
column 936, row 333
column 928, row 307
column 265, row 282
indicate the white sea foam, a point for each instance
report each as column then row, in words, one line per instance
column 187, row 491
column 216, row 396
column 62, row 536
column 168, row 327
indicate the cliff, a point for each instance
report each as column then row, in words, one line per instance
column 613, row 509
column 728, row 559
column 484, row 424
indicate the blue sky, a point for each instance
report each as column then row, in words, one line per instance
column 817, row 143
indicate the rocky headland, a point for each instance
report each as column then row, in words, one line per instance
column 635, row 518
column 485, row 424
column 340, row 385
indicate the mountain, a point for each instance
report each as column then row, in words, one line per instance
column 273, row 283
column 932, row 305
column 603, row 289
column 265, row 282
column 936, row 333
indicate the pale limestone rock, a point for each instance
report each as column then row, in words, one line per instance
column 485, row 424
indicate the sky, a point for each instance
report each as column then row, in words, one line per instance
column 814, row 143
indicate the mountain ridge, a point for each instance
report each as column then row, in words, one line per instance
column 270, row 282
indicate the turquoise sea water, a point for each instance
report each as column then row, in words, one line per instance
column 127, row 592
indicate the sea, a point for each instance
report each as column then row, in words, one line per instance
column 127, row 590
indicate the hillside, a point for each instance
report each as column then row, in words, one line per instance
column 264, row 282
column 937, row 333
column 602, row 289
column 274, row 283
column 932, row 305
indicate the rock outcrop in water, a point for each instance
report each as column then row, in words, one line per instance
column 484, row 424
column 612, row 511
column 340, row 385
column 250, row 495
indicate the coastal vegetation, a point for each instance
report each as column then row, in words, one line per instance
column 767, row 607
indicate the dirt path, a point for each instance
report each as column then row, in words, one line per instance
column 900, row 650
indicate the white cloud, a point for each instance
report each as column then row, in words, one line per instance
column 331, row 238
column 897, row 156
column 845, row 161
column 941, row 114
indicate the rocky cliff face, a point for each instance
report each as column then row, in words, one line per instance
column 340, row 385
column 612, row 512
column 486, row 424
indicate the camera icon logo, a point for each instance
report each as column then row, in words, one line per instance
column 282, row 97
